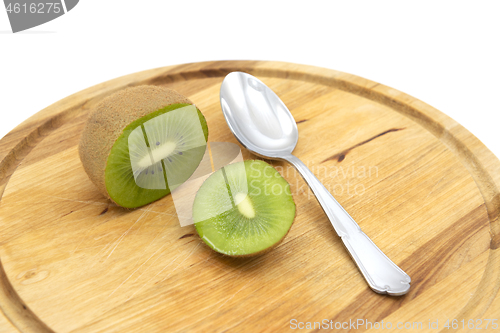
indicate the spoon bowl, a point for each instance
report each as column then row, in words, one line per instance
column 257, row 116
column 262, row 123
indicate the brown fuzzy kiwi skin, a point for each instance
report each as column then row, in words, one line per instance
column 108, row 119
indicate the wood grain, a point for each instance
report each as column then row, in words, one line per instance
column 419, row 184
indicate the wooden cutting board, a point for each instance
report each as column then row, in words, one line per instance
column 420, row 185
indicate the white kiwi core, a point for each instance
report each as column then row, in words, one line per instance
column 157, row 154
column 244, row 205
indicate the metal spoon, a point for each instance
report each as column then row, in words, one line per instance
column 263, row 124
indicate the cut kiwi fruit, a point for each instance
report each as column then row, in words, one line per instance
column 142, row 142
column 244, row 209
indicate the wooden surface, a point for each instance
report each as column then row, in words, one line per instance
column 420, row 185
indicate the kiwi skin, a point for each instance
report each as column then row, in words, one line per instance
column 110, row 117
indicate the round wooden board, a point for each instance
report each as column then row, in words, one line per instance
column 420, row 185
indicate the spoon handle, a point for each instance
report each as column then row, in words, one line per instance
column 381, row 274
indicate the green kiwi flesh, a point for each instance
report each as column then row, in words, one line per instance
column 154, row 154
column 244, row 209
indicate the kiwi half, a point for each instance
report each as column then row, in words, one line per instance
column 142, row 142
column 244, row 209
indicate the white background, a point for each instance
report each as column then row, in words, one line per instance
column 445, row 53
